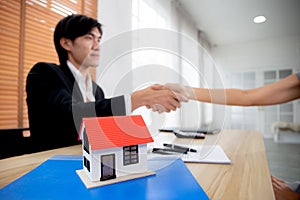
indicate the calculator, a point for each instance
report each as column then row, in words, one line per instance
column 188, row 134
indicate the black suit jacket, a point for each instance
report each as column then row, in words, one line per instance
column 56, row 106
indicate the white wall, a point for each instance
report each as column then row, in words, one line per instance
column 269, row 53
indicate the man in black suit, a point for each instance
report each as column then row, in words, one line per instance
column 59, row 96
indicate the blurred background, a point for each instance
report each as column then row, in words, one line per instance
column 200, row 43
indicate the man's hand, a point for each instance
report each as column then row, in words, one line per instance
column 162, row 100
column 181, row 92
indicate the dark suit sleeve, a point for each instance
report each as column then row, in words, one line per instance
column 48, row 86
column 117, row 104
column 56, row 107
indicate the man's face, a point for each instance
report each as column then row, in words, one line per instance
column 85, row 50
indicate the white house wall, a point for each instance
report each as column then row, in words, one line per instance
column 95, row 162
column 88, row 157
column 141, row 166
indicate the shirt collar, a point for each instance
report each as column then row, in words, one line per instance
column 76, row 73
column 84, row 83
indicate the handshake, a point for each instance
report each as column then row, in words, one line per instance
column 162, row 98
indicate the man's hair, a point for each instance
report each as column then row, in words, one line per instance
column 72, row 27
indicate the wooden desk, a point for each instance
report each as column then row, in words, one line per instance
column 248, row 177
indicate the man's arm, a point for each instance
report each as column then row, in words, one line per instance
column 46, row 87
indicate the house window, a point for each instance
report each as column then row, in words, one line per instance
column 130, row 155
column 86, row 163
column 85, row 142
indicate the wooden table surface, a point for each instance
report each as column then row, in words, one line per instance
column 248, row 177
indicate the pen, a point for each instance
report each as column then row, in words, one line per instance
column 180, row 147
column 169, row 150
column 159, row 151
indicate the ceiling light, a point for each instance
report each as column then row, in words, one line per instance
column 259, row 19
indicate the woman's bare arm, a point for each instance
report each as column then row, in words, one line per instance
column 282, row 91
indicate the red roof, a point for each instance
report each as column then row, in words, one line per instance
column 116, row 131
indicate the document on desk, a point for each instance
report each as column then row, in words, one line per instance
column 204, row 154
column 207, row 154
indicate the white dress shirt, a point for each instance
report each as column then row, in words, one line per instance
column 86, row 87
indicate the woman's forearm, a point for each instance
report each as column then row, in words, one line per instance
column 222, row 96
column 282, row 91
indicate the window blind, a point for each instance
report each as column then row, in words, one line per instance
column 9, row 62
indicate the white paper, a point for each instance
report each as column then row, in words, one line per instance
column 207, row 154
column 204, row 154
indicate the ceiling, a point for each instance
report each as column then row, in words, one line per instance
column 226, row 22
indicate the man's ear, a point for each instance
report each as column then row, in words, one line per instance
column 65, row 43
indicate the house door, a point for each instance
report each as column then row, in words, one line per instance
column 108, row 167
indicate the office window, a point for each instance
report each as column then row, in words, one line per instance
column 158, row 65
column 148, row 14
column 130, row 155
column 27, row 38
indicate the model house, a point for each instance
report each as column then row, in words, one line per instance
column 114, row 146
